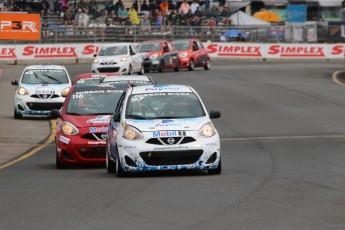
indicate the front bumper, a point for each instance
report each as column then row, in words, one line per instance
column 151, row 65
column 117, row 68
column 28, row 105
column 200, row 154
column 184, row 62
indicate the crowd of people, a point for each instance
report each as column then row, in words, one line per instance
column 161, row 14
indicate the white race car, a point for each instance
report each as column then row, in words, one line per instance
column 162, row 127
column 41, row 88
column 121, row 58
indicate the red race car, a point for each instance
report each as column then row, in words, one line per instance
column 91, row 78
column 192, row 53
column 159, row 55
column 82, row 124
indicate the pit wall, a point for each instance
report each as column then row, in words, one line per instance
column 83, row 53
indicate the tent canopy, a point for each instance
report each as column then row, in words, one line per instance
column 242, row 19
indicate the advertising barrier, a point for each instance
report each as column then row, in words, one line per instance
column 216, row 50
column 17, row 26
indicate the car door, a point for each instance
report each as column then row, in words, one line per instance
column 196, row 52
column 136, row 59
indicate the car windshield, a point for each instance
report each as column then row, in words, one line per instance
column 45, row 76
column 164, row 105
column 182, row 45
column 113, row 51
column 88, row 81
column 93, row 102
column 149, row 47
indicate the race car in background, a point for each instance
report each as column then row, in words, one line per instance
column 162, row 127
column 82, row 124
column 40, row 89
column 121, row 58
column 192, row 53
column 159, row 55
column 91, row 78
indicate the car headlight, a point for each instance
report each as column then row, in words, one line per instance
column 207, row 130
column 95, row 61
column 184, row 54
column 22, row 91
column 154, row 56
column 64, row 92
column 132, row 133
column 68, row 128
column 124, row 59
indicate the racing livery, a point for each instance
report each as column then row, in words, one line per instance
column 159, row 55
column 133, row 80
column 91, row 78
column 41, row 88
column 82, row 124
column 192, row 53
column 162, row 127
column 121, row 58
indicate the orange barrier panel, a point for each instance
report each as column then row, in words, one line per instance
column 20, row 26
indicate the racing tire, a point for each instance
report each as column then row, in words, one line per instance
column 119, row 170
column 129, row 70
column 17, row 115
column 191, row 65
column 110, row 165
column 208, row 64
column 58, row 163
column 161, row 67
column 217, row 170
column 178, row 67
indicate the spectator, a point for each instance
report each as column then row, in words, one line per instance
column 45, row 8
column 240, row 37
column 194, row 6
column 145, row 25
column 68, row 18
column 224, row 16
column 135, row 5
column 57, row 7
column 45, row 31
column 133, row 16
column 198, row 12
column 122, row 14
column 93, row 9
column 81, row 18
column 118, row 6
column 19, row 5
column 153, row 9
column 145, row 8
column 82, row 5
column 185, row 7
column 189, row 15
column 159, row 20
column 171, row 5
column 163, row 6
column 221, row 3
column 207, row 6
column 195, row 22
column 172, row 18
column 108, row 5
column 64, row 5
column 211, row 25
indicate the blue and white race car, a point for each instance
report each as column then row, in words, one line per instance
column 41, row 88
column 162, row 127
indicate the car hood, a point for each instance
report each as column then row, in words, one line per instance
column 169, row 124
column 88, row 121
column 44, row 88
column 148, row 54
column 116, row 58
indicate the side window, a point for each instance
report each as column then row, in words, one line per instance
column 166, row 48
column 171, row 47
column 195, row 46
column 131, row 50
column 200, row 45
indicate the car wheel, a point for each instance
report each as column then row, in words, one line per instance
column 178, row 67
column 208, row 64
column 141, row 71
column 161, row 67
column 111, row 166
column 17, row 115
column 191, row 65
column 119, row 170
column 129, row 70
column 217, row 170
column 58, row 163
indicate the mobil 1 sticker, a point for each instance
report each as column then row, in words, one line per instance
column 169, row 133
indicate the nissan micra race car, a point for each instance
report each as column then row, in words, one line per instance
column 41, row 88
column 82, row 124
column 162, row 127
column 118, row 58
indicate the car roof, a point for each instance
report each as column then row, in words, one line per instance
column 161, row 89
column 115, row 44
column 127, row 78
column 32, row 67
column 154, row 41
column 95, row 75
column 80, row 88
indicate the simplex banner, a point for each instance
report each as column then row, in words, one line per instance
column 215, row 50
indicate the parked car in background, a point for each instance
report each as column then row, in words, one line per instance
column 192, row 54
column 40, row 89
column 162, row 127
column 91, row 78
column 121, row 58
column 159, row 55
column 82, row 124
column 133, row 80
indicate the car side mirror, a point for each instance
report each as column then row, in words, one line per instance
column 214, row 114
column 94, row 55
column 54, row 114
column 14, row 82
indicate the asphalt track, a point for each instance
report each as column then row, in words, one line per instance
column 282, row 131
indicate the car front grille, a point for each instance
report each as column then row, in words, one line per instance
column 108, row 69
column 156, row 158
column 94, row 136
column 45, row 96
column 108, row 63
column 44, row 106
column 170, row 140
column 94, row 152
